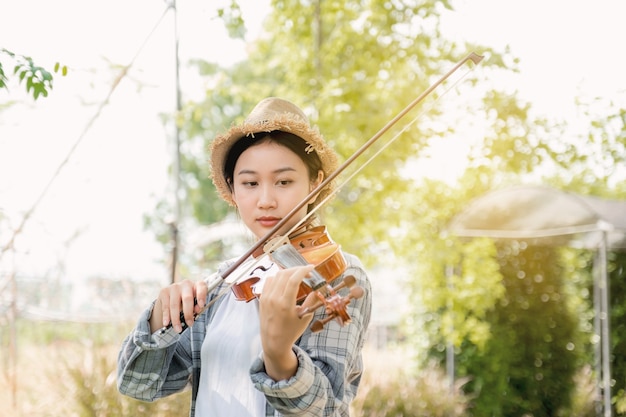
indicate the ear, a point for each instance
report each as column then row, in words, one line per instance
column 314, row 184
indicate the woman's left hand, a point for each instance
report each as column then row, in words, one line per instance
column 280, row 324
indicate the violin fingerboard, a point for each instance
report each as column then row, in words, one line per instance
column 287, row 256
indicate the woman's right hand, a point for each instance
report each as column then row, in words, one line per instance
column 186, row 296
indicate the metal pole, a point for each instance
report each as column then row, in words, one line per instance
column 174, row 226
column 597, row 331
column 605, row 319
column 13, row 338
column 450, row 371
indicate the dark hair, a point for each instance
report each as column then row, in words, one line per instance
column 290, row 141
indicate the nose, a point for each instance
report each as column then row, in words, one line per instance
column 267, row 198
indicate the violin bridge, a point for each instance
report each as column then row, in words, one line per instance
column 274, row 243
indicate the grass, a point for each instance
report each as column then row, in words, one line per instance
column 68, row 370
column 59, row 373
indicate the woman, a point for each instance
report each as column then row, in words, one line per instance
column 257, row 358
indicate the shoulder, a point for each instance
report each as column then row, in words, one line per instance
column 355, row 267
column 353, row 260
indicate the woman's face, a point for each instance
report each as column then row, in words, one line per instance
column 269, row 180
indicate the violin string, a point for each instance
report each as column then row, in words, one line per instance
column 273, row 244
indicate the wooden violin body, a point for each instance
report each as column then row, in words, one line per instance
column 313, row 246
column 317, row 248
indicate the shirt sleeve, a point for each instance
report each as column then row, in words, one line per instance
column 329, row 362
column 153, row 365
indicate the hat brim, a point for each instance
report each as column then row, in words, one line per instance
column 286, row 122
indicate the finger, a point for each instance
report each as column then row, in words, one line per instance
column 188, row 300
column 164, row 302
column 310, row 304
column 295, row 278
column 175, row 308
column 202, row 290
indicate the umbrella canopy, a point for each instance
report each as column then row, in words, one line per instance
column 544, row 215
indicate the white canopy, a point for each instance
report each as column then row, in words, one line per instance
column 544, row 215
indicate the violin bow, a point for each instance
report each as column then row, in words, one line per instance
column 273, row 241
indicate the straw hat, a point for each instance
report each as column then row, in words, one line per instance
column 269, row 115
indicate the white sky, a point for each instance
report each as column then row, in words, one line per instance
column 566, row 48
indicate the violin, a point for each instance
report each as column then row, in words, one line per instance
column 313, row 246
column 317, row 248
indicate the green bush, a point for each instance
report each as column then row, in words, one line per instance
column 528, row 366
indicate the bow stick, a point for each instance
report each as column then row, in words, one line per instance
column 271, row 242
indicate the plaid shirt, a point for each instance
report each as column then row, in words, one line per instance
column 151, row 366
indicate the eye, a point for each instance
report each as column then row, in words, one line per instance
column 249, row 184
column 284, row 182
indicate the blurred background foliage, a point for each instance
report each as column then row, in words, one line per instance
column 517, row 316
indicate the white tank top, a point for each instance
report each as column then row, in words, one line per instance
column 231, row 344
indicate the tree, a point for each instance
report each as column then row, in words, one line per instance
column 38, row 80
column 582, row 163
column 356, row 77
column 357, row 65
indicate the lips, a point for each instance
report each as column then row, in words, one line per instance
column 267, row 221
